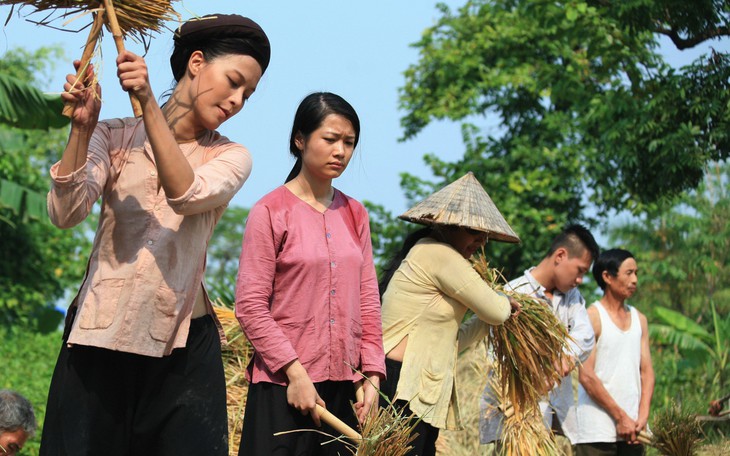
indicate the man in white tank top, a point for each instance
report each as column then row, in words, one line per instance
column 617, row 380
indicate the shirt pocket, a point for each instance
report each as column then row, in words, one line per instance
column 303, row 337
column 431, row 385
column 165, row 313
column 100, row 305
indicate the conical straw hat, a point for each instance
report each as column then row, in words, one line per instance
column 463, row 202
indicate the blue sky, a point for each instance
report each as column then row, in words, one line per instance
column 356, row 49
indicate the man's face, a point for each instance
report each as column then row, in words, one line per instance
column 12, row 442
column 569, row 271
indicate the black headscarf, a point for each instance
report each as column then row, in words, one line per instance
column 195, row 33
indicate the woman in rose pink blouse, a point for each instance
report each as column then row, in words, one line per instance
column 307, row 293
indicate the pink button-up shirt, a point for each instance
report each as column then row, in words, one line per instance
column 148, row 258
column 307, row 289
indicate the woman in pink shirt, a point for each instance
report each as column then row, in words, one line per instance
column 307, row 293
column 140, row 369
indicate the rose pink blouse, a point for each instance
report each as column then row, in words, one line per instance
column 307, row 289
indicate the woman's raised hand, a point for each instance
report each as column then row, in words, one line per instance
column 85, row 94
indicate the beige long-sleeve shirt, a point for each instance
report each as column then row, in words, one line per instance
column 148, row 258
column 426, row 300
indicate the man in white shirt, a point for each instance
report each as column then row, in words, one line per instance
column 617, row 380
column 555, row 280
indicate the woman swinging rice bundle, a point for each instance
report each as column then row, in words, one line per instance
column 526, row 350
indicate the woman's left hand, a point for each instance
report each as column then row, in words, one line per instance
column 368, row 403
column 133, row 75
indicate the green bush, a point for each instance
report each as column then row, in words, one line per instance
column 28, row 361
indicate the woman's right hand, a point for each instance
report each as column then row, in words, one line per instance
column 300, row 392
column 86, row 97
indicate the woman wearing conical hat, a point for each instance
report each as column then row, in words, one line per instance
column 426, row 291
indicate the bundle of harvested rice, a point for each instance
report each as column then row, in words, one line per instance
column 236, row 355
column 675, row 432
column 524, row 434
column 133, row 18
column 137, row 18
column 527, row 348
column 387, row 432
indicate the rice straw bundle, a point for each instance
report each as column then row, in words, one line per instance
column 527, row 347
column 675, row 432
column 137, row 18
column 525, row 434
column 387, row 432
column 133, row 18
column 236, row 355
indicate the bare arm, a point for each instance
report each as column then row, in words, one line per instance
column 84, row 118
column 647, row 376
column 176, row 174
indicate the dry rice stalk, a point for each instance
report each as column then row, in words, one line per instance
column 525, row 434
column 137, row 18
column 675, row 432
column 387, row 432
column 527, row 348
column 236, row 355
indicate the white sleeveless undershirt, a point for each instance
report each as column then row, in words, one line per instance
column 618, row 357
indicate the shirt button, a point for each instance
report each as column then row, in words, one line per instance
column 329, row 235
column 150, row 242
column 332, row 292
column 157, row 208
column 153, row 173
column 333, row 264
column 332, row 321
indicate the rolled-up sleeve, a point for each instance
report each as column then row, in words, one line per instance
column 72, row 196
column 254, row 288
column 215, row 182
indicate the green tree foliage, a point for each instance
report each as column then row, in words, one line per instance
column 568, row 105
column 224, row 250
column 40, row 262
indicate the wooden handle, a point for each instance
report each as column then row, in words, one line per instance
column 119, row 41
column 337, row 424
column 68, row 107
column 645, row 438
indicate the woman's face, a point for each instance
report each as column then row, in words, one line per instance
column 220, row 87
column 465, row 240
column 328, row 149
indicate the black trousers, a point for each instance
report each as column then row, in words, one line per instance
column 104, row 402
column 424, row 443
column 268, row 412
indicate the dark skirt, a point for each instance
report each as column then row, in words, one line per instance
column 105, row 402
column 268, row 412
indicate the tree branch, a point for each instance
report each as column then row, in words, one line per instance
column 686, row 43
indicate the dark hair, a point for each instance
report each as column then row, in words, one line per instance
column 576, row 239
column 310, row 114
column 16, row 412
column 398, row 258
column 609, row 261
